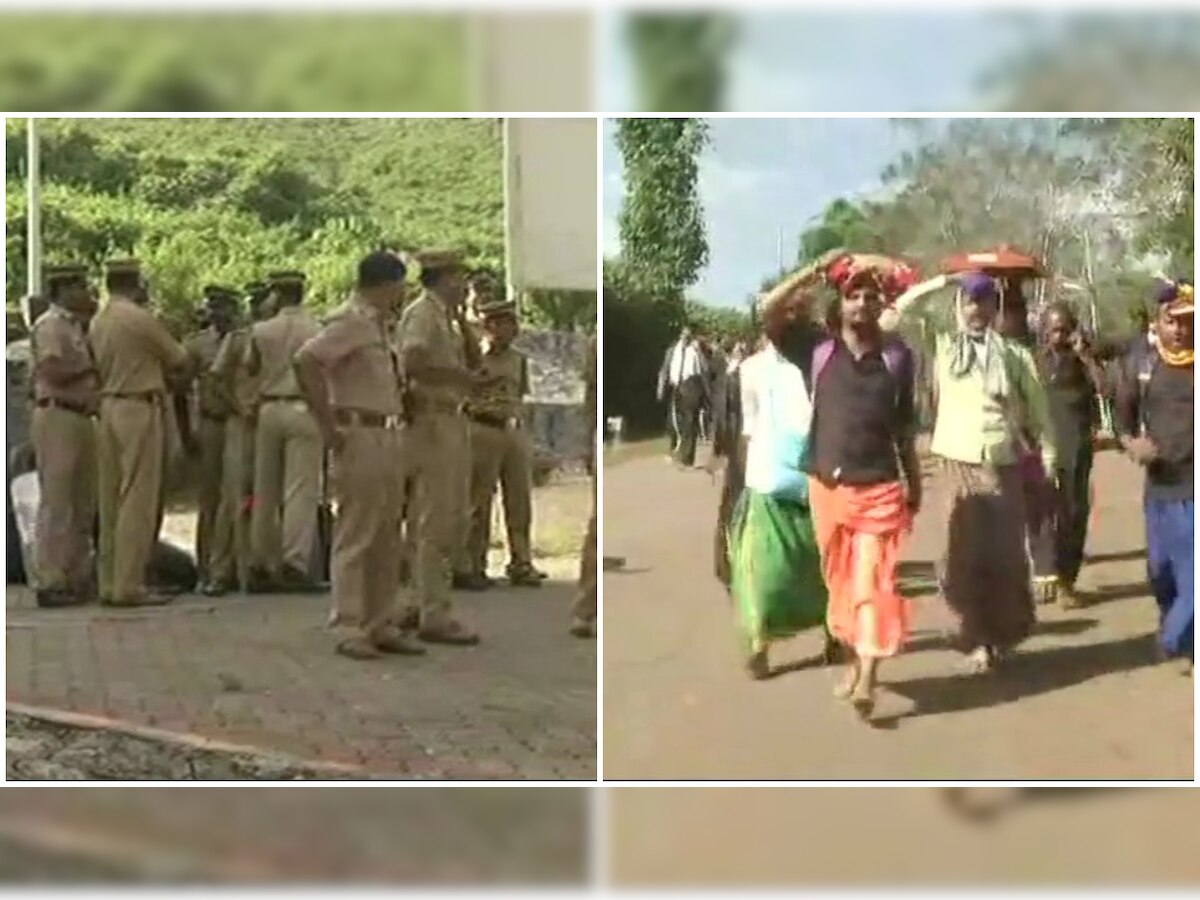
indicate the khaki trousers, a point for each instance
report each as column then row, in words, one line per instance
column 436, row 448
column 237, row 485
column 584, row 608
column 287, row 487
column 367, row 480
column 131, row 453
column 461, row 504
column 503, row 456
column 214, row 528
column 65, row 447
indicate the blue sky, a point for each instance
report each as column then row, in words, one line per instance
column 764, row 175
column 761, row 176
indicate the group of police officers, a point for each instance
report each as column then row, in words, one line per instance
column 402, row 416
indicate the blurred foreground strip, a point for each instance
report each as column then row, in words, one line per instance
column 905, row 837
column 439, row 836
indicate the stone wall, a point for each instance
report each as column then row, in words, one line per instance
column 555, row 417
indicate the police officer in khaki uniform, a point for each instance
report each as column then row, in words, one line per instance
column 135, row 356
column 287, row 446
column 242, row 388
column 351, row 376
column 434, row 364
column 215, row 406
column 66, row 401
column 583, row 611
column 500, row 447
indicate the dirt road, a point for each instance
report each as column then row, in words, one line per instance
column 1084, row 699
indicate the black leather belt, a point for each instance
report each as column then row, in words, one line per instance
column 54, row 403
column 281, row 398
column 140, row 396
column 363, row 419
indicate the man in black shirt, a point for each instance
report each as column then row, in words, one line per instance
column 1155, row 408
column 1073, row 381
column 863, row 431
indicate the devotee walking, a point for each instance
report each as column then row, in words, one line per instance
column 1155, row 421
column 863, row 436
column 987, row 398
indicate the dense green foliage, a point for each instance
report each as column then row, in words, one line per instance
column 227, row 200
column 249, row 62
column 661, row 221
column 681, row 59
column 639, row 324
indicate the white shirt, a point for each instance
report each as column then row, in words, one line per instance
column 685, row 363
column 774, row 398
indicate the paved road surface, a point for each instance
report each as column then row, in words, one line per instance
column 261, row 671
column 1084, row 699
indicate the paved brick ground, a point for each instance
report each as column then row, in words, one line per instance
column 1084, row 699
column 260, row 671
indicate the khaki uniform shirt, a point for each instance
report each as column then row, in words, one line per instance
column 213, row 394
column 272, row 346
column 133, row 349
column 506, row 385
column 60, row 336
column 229, row 368
column 361, row 368
column 426, row 328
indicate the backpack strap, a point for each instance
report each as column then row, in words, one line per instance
column 895, row 356
column 821, row 357
column 1147, row 363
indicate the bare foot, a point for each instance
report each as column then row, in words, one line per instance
column 758, row 666
column 863, row 699
column 844, row 689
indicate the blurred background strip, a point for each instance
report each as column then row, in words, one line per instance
column 364, row 61
column 869, row 60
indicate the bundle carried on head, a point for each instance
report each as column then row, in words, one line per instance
column 890, row 276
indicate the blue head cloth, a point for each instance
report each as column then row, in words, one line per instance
column 979, row 286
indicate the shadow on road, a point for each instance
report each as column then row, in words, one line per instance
column 916, row 578
column 1026, row 675
column 1121, row 556
column 1109, row 592
column 797, row 665
column 937, row 640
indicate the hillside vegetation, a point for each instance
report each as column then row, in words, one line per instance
column 226, row 200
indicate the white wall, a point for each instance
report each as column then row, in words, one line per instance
column 550, row 199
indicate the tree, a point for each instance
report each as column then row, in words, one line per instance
column 663, row 245
column 680, row 59
column 843, row 224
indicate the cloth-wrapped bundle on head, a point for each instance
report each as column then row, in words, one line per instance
column 891, row 277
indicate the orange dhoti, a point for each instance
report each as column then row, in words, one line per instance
column 858, row 530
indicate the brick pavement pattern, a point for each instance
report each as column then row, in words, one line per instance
column 1083, row 698
column 261, row 671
